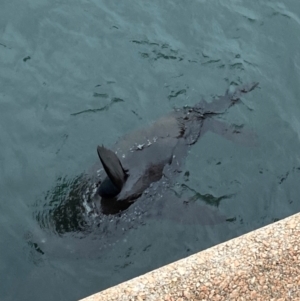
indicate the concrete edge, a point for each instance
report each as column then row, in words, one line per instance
column 261, row 265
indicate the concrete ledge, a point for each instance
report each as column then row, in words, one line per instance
column 261, row 265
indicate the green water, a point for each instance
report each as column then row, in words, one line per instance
column 75, row 74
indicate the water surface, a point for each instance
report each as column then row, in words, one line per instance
column 75, row 74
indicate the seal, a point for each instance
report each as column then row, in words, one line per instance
column 136, row 184
column 147, row 154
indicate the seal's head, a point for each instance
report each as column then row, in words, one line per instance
column 122, row 187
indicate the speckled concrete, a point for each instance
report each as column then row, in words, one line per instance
column 261, row 265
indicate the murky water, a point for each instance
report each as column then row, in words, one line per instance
column 78, row 74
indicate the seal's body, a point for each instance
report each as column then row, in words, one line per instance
column 144, row 156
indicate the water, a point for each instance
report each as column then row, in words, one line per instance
column 137, row 62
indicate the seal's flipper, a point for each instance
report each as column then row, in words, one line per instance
column 112, row 166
